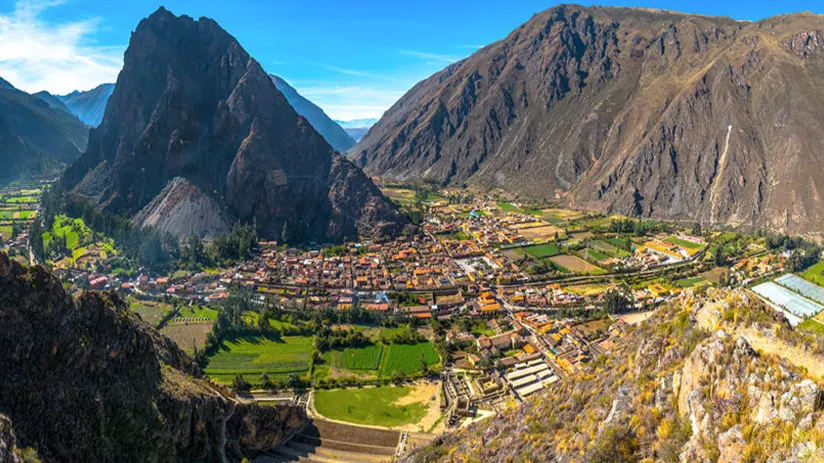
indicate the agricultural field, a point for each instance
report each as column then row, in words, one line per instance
column 815, row 274
column 377, row 406
column 152, row 312
column 252, row 356
column 542, row 250
column 406, row 358
column 812, row 325
column 608, row 248
column 355, row 358
column 690, row 282
column 541, row 233
column 197, row 311
column 575, row 264
column 188, row 336
column 805, row 288
column 792, row 302
column 594, row 255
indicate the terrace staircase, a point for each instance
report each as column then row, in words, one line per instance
column 323, row 441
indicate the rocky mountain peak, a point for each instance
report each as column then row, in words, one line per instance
column 190, row 103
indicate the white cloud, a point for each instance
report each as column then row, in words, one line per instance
column 351, row 102
column 432, row 57
column 58, row 57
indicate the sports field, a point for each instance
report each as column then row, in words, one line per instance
column 377, row 406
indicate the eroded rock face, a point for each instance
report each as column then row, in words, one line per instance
column 646, row 113
column 190, row 103
column 86, row 380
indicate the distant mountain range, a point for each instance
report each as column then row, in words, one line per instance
column 36, row 138
column 196, row 137
column 641, row 112
column 329, row 129
column 357, row 128
column 90, row 105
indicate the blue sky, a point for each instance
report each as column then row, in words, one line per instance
column 353, row 58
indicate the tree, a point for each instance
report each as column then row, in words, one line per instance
column 265, row 382
column 424, row 365
column 239, row 383
column 615, row 302
column 294, row 381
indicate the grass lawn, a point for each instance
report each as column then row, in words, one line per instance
column 593, row 254
column 812, row 326
column 406, row 358
column 355, row 358
column 815, row 273
column 6, row 215
column 376, row 406
column 253, row 355
column 543, row 250
column 507, row 207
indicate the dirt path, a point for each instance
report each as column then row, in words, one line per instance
column 429, row 395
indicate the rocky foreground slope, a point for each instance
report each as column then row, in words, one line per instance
column 86, row 380
column 686, row 386
column 632, row 111
column 190, row 103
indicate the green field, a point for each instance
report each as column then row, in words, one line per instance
column 812, row 326
column 6, row 215
column 22, row 200
column 355, row 358
column 683, row 243
column 543, row 250
column 690, row 282
column 253, row 355
column 198, row 312
column 596, row 255
column 815, row 273
column 74, row 230
column 372, row 406
column 406, row 358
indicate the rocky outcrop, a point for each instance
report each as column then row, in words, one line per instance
column 670, row 391
column 631, row 111
column 85, row 380
column 333, row 133
column 190, row 103
column 36, row 138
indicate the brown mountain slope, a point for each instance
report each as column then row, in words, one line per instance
column 191, row 103
column 86, row 380
column 630, row 111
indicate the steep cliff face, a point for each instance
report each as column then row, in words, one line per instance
column 85, row 380
column 191, row 103
column 672, row 391
column 632, row 111
column 333, row 133
column 36, row 138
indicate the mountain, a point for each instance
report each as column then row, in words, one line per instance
column 90, row 105
column 329, row 129
column 640, row 112
column 357, row 128
column 34, row 137
column 85, row 379
column 195, row 128
column 52, row 101
column 671, row 390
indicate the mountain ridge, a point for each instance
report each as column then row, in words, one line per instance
column 625, row 111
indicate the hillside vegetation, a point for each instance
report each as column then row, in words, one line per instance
column 686, row 385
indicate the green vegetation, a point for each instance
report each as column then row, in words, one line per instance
column 406, row 358
column 253, row 355
column 543, row 250
column 815, row 273
column 372, row 406
column 355, row 358
column 151, row 312
column 812, row 325
column 684, row 243
column 689, row 282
